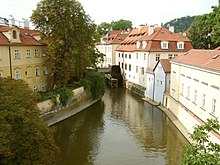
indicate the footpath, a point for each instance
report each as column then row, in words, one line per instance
column 173, row 119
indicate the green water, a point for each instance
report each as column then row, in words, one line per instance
column 120, row 129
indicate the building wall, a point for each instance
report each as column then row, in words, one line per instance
column 23, row 66
column 159, row 86
column 149, row 92
column 187, row 101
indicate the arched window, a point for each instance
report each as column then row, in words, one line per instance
column 14, row 33
column 17, row 74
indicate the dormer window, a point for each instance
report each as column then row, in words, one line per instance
column 144, row 44
column 138, row 44
column 164, row 45
column 180, row 45
column 14, row 34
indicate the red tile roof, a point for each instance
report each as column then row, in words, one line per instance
column 166, row 65
column 26, row 37
column 154, row 40
column 209, row 59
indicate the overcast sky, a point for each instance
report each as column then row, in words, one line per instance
column 138, row 11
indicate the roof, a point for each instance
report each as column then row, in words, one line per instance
column 154, row 40
column 208, row 59
column 129, row 43
column 166, row 65
column 26, row 36
column 114, row 37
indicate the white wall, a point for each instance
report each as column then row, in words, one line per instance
column 159, row 86
column 149, row 92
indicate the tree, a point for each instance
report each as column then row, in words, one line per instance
column 180, row 24
column 103, row 28
column 121, row 25
column 24, row 137
column 205, row 30
column 69, row 33
column 203, row 151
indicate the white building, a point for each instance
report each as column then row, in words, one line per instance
column 143, row 48
column 162, row 79
column 108, row 44
column 195, row 88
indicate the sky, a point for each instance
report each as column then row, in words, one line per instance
column 138, row 11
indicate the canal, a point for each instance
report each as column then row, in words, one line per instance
column 120, row 129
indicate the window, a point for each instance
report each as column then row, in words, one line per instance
column 144, row 56
column 213, row 106
column 125, row 55
column 44, row 52
column 129, row 56
column 182, row 89
column 36, row 53
column 17, row 74
column 122, row 55
column 17, row 54
column 43, row 87
column 170, row 56
column 138, row 44
column 180, row 45
column 188, row 92
column 144, row 44
column 14, row 34
column 157, row 57
column 37, row 72
column 45, row 71
column 175, row 55
column 164, row 45
column 119, row 63
column 35, row 88
column 195, row 96
column 28, row 53
column 122, row 65
column 136, row 69
column 118, row 54
column 142, row 70
column 129, row 67
column 125, row 66
column 136, row 55
column 203, row 101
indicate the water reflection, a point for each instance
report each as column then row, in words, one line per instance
column 120, row 129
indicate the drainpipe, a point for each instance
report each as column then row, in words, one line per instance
column 10, row 65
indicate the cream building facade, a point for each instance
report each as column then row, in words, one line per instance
column 108, row 45
column 22, row 56
column 195, row 90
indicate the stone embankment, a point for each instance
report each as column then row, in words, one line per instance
column 53, row 113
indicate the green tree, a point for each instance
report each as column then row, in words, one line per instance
column 103, row 28
column 121, row 25
column 95, row 83
column 69, row 33
column 205, row 30
column 203, row 151
column 180, row 24
column 24, row 138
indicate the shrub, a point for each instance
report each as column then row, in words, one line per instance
column 95, row 83
column 65, row 95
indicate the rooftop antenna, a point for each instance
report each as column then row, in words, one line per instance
column 26, row 23
column 12, row 20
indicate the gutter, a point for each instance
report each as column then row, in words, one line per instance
column 10, row 65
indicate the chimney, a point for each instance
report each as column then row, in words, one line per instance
column 150, row 30
column 171, row 28
column 140, row 27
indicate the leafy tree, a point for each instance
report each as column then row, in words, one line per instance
column 103, row 28
column 24, row 138
column 69, row 33
column 203, row 151
column 121, row 25
column 205, row 30
column 180, row 24
column 95, row 83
